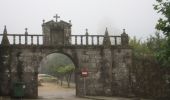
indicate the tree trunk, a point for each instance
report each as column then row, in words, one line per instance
column 61, row 81
column 68, row 78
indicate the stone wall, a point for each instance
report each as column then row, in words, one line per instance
column 4, row 71
column 98, row 62
column 108, row 69
column 25, row 61
column 122, row 61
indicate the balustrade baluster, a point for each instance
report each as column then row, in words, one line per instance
column 75, row 40
column 92, row 40
column 14, row 39
column 37, row 40
column 31, row 40
column 87, row 40
column 26, row 41
column 115, row 40
column 19, row 39
column 42, row 40
column 97, row 40
column 81, row 40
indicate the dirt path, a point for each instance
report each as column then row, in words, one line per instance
column 55, row 91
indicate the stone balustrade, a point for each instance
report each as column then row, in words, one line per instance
column 82, row 40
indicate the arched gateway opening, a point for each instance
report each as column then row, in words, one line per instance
column 56, row 78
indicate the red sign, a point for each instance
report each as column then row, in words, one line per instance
column 84, row 72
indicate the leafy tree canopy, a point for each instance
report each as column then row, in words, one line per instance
column 163, row 7
column 65, row 69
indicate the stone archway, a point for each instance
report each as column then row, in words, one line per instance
column 108, row 63
column 60, row 86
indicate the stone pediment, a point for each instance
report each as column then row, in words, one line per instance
column 60, row 24
column 49, row 22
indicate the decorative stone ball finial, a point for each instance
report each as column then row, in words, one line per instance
column 43, row 21
column 124, row 31
column 86, row 31
column 70, row 21
column 26, row 31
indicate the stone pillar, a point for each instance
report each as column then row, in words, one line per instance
column 5, row 40
column 87, row 37
column 106, row 71
column 124, row 38
column 106, row 40
column 26, row 36
column 5, row 71
column 5, row 65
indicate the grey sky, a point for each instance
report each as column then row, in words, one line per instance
column 136, row 16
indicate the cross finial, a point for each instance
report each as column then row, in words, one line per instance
column 56, row 16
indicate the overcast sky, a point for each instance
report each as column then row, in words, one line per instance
column 136, row 16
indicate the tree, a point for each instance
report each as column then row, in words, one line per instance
column 140, row 48
column 149, row 47
column 52, row 61
column 146, row 70
column 163, row 7
column 65, row 71
column 60, row 71
column 68, row 73
column 163, row 24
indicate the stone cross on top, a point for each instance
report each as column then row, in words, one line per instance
column 56, row 16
